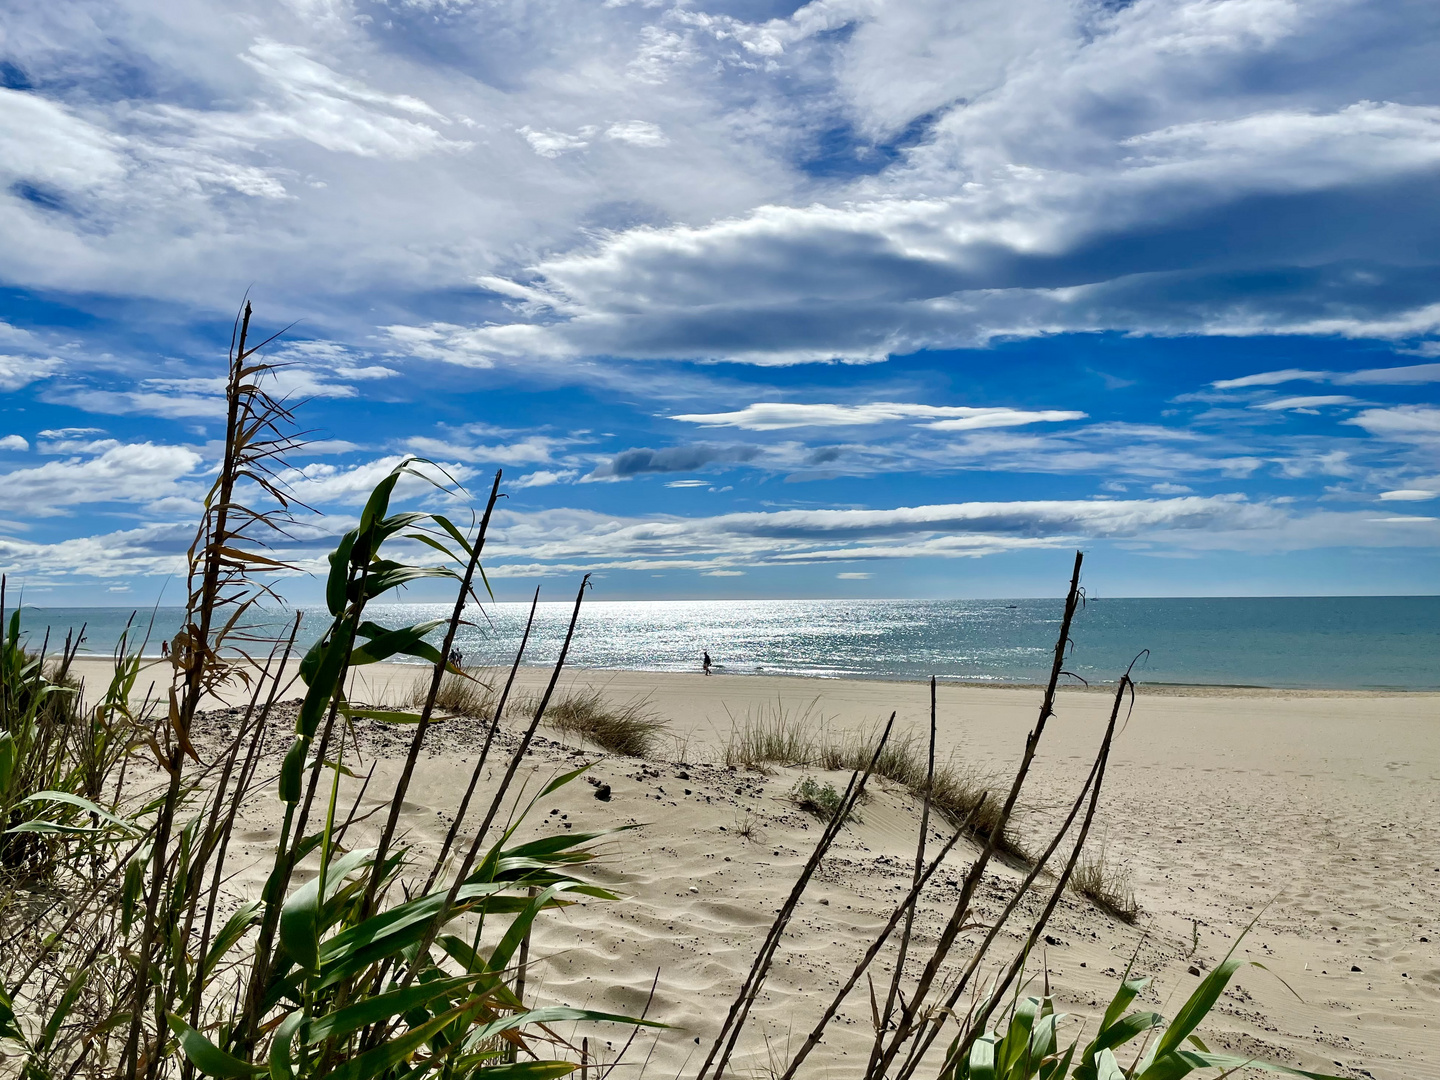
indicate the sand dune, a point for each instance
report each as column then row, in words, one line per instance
column 1326, row 807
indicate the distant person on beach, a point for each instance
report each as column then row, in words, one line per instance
column 164, row 650
column 457, row 657
column 706, row 663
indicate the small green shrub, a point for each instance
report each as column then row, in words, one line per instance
column 819, row 799
column 1023, row 1042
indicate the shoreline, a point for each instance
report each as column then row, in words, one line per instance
column 1171, row 689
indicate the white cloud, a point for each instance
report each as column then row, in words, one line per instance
column 131, row 473
column 985, row 179
column 15, row 335
column 1408, row 375
column 544, row 478
column 81, row 446
column 151, row 549
column 14, row 442
column 293, row 379
column 530, row 450
column 168, row 404
column 1403, row 422
column 1408, row 495
column 20, row 371
column 775, row 415
column 1305, row 402
column 854, row 575
column 320, row 484
column 900, row 272
column 637, row 133
column 551, row 144
column 1272, row 378
column 305, row 99
column 993, row 418
column 571, row 540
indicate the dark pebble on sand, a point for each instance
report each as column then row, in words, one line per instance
column 602, row 792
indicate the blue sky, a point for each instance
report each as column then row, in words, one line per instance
column 855, row 298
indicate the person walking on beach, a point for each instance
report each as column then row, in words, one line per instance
column 705, row 664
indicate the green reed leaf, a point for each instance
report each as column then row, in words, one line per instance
column 206, row 1056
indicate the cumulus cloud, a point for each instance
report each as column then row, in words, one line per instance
column 563, row 190
column 1003, row 258
column 148, row 550
column 321, row 483
column 20, row 371
column 14, row 442
column 131, row 473
column 544, row 478
column 774, row 415
column 530, row 450
column 1402, row 422
column 855, row 178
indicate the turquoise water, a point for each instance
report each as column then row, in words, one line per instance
column 1314, row 642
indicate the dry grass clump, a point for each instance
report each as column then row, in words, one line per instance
column 628, row 728
column 1106, row 886
column 773, row 735
column 469, row 694
column 956, row 791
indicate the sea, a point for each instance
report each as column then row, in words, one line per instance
column 1355, row 642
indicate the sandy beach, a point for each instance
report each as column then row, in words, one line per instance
column 1219, row 802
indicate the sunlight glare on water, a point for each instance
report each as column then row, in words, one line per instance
column 1321, row 642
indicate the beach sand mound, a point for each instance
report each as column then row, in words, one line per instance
column 1216, row 806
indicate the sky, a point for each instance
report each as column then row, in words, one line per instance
column 870, row 298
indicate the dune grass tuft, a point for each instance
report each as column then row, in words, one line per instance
column 956, row 791
column 469, row 694
column 773, row 735
column 629, row 728
column 776, row 736
column 1106, row 886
